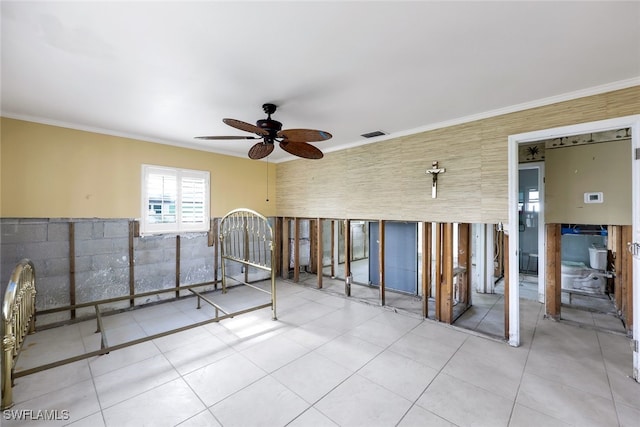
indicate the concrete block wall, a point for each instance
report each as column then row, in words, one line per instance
column 101, row 261
column 46, row 243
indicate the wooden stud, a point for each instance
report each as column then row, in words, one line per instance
column 617, row 249
column 285, row 248
column 313, row 247
column 381, row 236
column 319, row 252
column 132, row 281
column 276, row 244
column 333, row 248
column 177, row 265
column 438, row 276
column 347, row 254
column 446, row 294
column 72, row 267
column 464, row 261
column 426, row 267
column 296, row 251
column 247, row 251
column 216, row 246
column 553, row 276
column 507, row 285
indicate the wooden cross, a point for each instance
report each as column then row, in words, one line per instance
column 434, row 171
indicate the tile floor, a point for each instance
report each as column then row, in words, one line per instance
column 328, row 361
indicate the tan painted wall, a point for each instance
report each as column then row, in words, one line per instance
column 572, row 171
column 387, row 180
column 53, row 172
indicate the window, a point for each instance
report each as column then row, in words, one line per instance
column 174, row 200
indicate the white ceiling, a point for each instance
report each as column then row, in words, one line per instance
column 168, row 71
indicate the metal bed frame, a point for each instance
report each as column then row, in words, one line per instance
column 245, row 238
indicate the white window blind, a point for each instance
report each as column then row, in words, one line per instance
column 174, row 200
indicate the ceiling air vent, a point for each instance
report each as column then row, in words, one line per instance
column 373, row 134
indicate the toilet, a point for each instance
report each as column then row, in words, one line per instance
column 592, row 279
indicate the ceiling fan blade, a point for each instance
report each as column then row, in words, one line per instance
column 260, row 150
column 245, row 126
column 304, row 135
column 301, row 149
column 227, row 137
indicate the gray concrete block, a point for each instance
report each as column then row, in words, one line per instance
column 24, row 232
column 118, row 228
column 52, row 292
column 46, row 250
column 94, row 246
column 58, row 231
column 109, row 261
column 155, row 276
column 83, row 263
column 53, row 267
column 193, row 273
column 146, row 257
column 99, row 286
column 83, row 230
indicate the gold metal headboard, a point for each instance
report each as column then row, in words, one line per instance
column 18, row 319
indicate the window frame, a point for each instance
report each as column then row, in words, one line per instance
column 150, row 228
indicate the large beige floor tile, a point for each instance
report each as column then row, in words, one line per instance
column 312, row 376
column 349, row 351
column 275, row 352
column 420, row 417
column 78, row 400
column 566, row 403
column 360, row 402
column 166, row 405
column 527, row 417
column 465, row 404
column 218, row 380
column 264, row 403
column 121, row 384
column 400, row 374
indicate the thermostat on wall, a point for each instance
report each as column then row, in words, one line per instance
column 595, row 197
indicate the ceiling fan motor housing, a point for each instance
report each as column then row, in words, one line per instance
column 271, row 126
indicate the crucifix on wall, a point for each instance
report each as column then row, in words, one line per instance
column 434, row 171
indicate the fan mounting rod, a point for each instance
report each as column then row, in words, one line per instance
column 268, row 124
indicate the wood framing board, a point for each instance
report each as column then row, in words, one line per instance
column 319, row 252
column 277, row 245
column 438, row 277
column 296, row 249
column 313, row 247
column 464, row 261
column 347, row 254
column 333, row 250
column 285, row 248
column 72, row 267
column 426, row 267
column 177, row 282
column 132, row 281
column 446, row 285
column 381, row 238
column 615, row 243
column 553, row 290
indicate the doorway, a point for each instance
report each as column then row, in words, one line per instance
column 531, row 229
column 632, row 122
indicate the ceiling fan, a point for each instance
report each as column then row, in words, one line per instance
column 293, row 141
